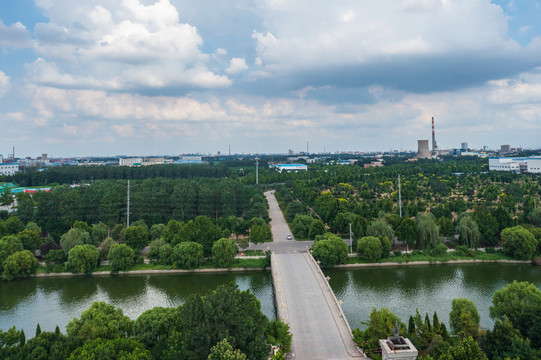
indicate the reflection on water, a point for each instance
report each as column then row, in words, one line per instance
column 55, row 301
column 428, row 288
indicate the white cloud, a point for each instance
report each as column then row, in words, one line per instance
column 4, row 83
column 120, row 45
column 236, row 65
column 14, row 36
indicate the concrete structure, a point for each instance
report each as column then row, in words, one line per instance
column 505, row 148
column 464, row 146
column 289, row 167
column 398, row 349
column 517, row 165
column 422, row 150
column 8, row 169
column 434, row 145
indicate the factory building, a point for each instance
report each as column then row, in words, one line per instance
column 8, row 169
column 530, row 165
column 289, row 167
column 422, row 150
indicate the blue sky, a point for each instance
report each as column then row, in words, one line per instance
column 144, row 77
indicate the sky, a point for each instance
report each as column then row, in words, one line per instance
column 151, row 77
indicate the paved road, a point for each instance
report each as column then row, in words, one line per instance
column 304, row 298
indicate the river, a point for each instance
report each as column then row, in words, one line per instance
column 55, row 301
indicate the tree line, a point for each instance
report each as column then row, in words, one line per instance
column 223, row 324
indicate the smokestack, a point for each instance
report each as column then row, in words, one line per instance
column 434, row 145
column 422, row 149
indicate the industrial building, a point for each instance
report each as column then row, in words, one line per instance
column 530, row 165
column 8, row 169
column 137, row 161
column 422, row 150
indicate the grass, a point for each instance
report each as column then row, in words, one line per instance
column 478, row 255
column 253, row 253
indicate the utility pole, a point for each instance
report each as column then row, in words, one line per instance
column 399, row 196
column 128, row 210
column 350, row 239
column 256, row 170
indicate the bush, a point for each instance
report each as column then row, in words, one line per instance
column 519, row 243
column 490, row 250
column 440, row 250
column 20, row 263
column 121, row 257
column 187, row 254
column 223, row 252
column 330, row 251
column 369, row 248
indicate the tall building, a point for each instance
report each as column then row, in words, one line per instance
column 505, row 148
column 464, row 146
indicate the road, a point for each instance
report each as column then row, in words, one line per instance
column 304, row 298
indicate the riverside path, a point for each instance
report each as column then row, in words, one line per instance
column 304, row 298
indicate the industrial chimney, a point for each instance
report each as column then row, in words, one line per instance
column 434, row 145
column 422, row 150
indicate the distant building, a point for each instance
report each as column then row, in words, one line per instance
column 1, row 159
column 130, row 161
column 517, row 165
column 422, row 150
column 505, row 148
column 464, row 146
column 289, row 167
column 8, row 169
column 190, row 159
column 373, row 164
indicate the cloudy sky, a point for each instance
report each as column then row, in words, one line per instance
column 147, row 77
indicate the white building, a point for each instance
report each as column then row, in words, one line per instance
column 8, row 169
column 516, row 165
column 289, row 167
column 130, row 161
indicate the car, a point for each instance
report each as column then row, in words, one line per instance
column 289, row 237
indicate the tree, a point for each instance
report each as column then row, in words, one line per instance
column 117, row 232
column 505, row 342
column 259, row 233
column 156, row 231
column 407, row 231
column 520, row 302
column 331, row 250
column 428, row 233
column 467, row 350
column 72, row 238
column 464, row 318
column 316, row 228
column 9, row 245
column 380, row 325
column 136, row 237
column 278, row 333
column 155, row 325
column 488, row 226
column 105, row 247
column 100, row 320
column 83, row 259
column 121, row 257
column 99, row 233
column 186, row 255
column 301, row 226
column 369, row 248
column 224, row 351
column 519, row 243
column 30, row 239
column 13, row 225
column 105, row 349
column 223, row 252
column 228, row 313
column 380, row 230
column 83, row 226
column 165, row 254
column 21, row 263
column 468, row 231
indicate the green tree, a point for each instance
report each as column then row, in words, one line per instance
column 519, row 243
column 111, row 349
column 83, row 226
column 520, row 302
column 331, row 250
column 72, row 238
column 136, row 237
column 83, row 259
column 154, row 248
column 105, row 247
column 379, row 326
column 117, row 232
column 407, row 231
column 369, row 248
column 165, row 254
column 467, row 350
column 99, row 233
column 260, row 233
column 30, row 239
column 100, row 320
column 8, row 246
column 228, row 313
column 301, row 226
column 156, row 231
column 464, row 318
column 380, row 229
column 317, row 228
column 468, row 232
column 223, row 252
column 186, row 255
column 121, row 257
column 428, row 233
column 505, row 342
column 153, row 326
column 278, row 333
column 488, row 225
column 224, row 351
column 21, row 263
column 13, row 225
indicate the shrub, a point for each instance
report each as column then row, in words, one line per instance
column 519, row 243
column 369, row 248
column 20, row 263
column 440, row 250
column 330, row 251
column 121, row 257
column 83, row 259
column 187, row 254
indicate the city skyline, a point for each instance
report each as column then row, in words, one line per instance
column 136, row 77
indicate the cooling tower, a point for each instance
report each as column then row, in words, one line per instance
column 422, row 150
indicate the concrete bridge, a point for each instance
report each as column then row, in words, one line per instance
column 304, row 298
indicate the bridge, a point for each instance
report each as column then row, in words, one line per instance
column 304, row 298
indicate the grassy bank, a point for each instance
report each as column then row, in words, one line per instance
column 415, row 257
